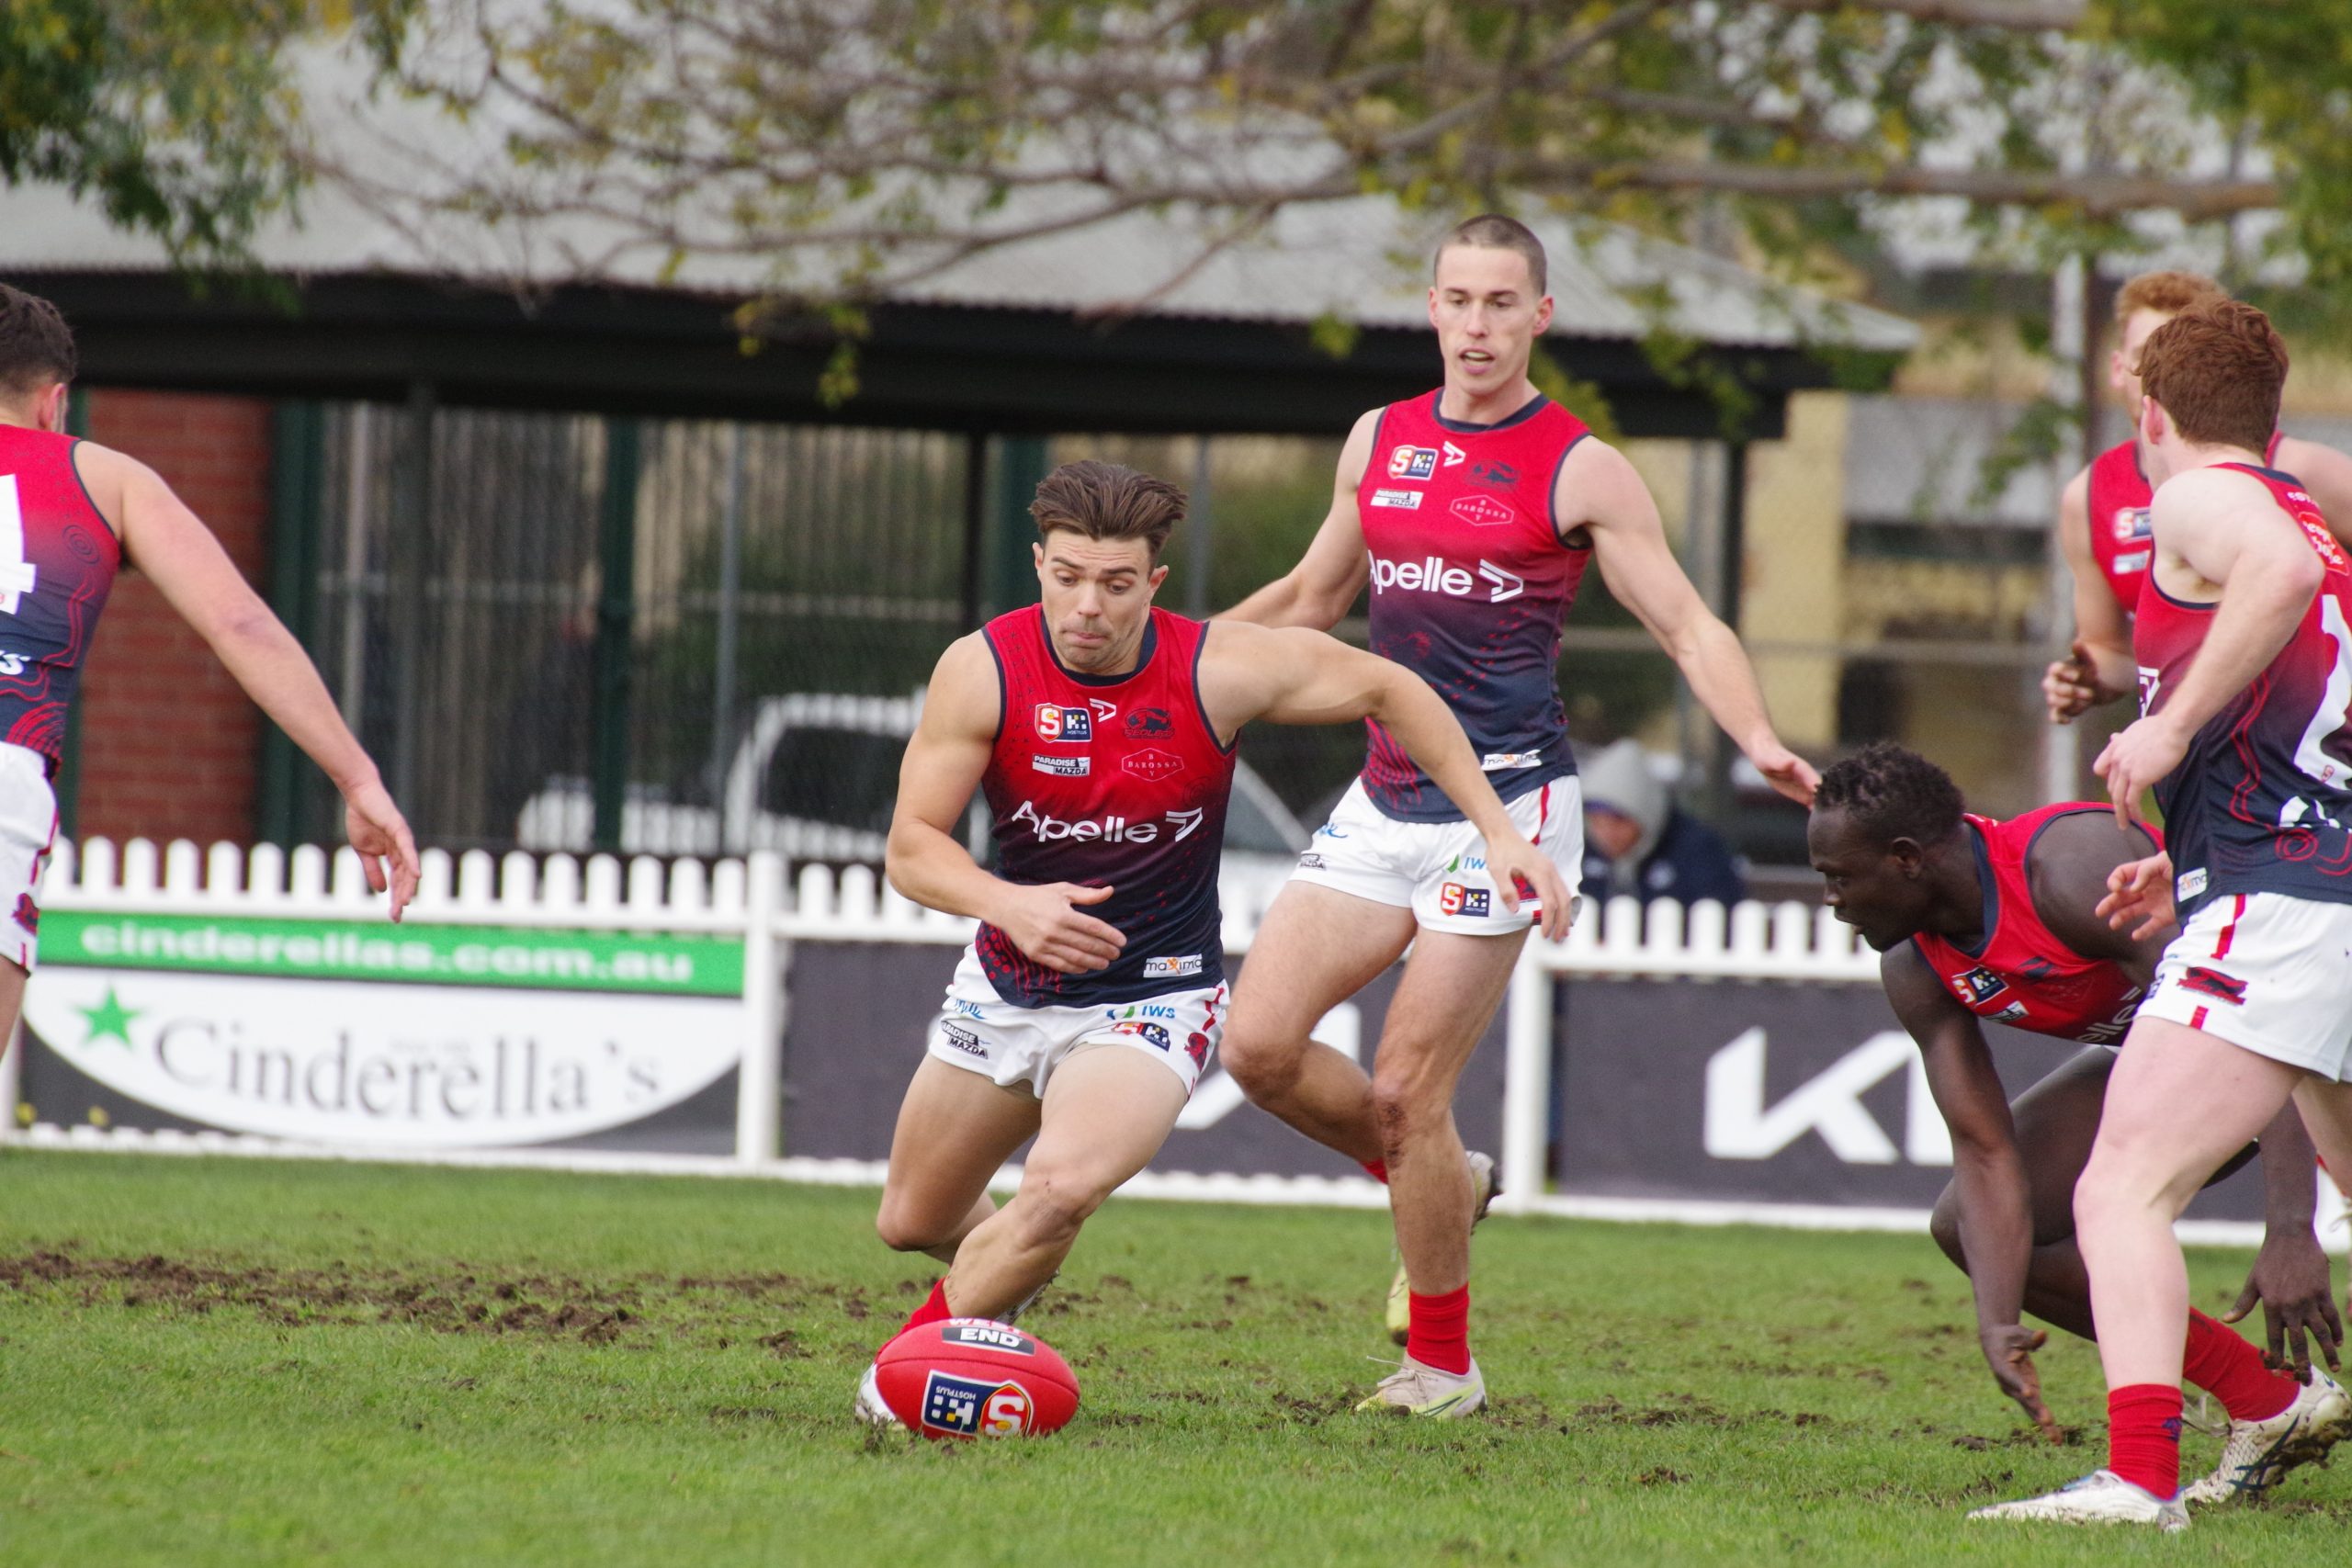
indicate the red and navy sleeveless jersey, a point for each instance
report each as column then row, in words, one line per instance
column 1469, row 585
column 2021, row 974
column 2122, row 542
column 2262, row 801
column 58, row 558
column 1109, row 780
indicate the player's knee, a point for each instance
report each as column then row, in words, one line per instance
column 1055, row 1200
column 1401, row 1108
column 1265, row 1065
column 902, row 1229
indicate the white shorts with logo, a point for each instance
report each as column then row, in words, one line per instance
column 1017, row 1046
column 2266, row 972
column 1438, row 870
column 27, row 832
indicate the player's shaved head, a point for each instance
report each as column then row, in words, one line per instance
column 2167, row 294
column 1104, row 500
column 2217, row 373
column 1890, row 792
column 36, row 345
column 1493, row 231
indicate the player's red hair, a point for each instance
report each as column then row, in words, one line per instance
column 2218, row 372
column 2167, row 294
column 1104, row 500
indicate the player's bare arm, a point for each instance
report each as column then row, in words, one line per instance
column 1317, row 591
column 2218, row 534
column 1296, row 676
column 168, row 542
column 2325, row 475
column 1989, row 1179
column 927, row 861
column 1599, row 490
column 2097, row 668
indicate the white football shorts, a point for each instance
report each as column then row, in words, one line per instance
column 2268, row 972
column 1017, row 1046
column 27, row 834
column 1438, row 870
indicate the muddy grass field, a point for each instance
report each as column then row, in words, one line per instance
column 233, row 1362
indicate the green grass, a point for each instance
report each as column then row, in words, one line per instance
column 251, row 1363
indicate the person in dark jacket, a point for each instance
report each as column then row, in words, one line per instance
column 1638, row 841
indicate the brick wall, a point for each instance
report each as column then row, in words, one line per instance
column 169, row 742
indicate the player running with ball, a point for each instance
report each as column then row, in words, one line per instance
column 1101, row 731
column 1981, row 919
column 2244, row 657
column 1473, row 512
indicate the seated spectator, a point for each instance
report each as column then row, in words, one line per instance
column 1637, row 841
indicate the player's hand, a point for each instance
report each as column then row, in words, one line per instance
column 1786, row 772
column 387, row 850
column 1044, row 923
column 2291, row 1278
column 2070, row 686
column 2008, row 1350
column 1524, row 872
column 2139, row 893
column 2141, row 757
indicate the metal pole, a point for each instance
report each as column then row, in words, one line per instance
column 2070, row 307
column 358, row 483
column 1731, row 541
column 731, row 584
column 1527, row 1080
column 1198, row 535
column 758, row 1080
column 410, row 542
column 975, row 528
column 616, row 628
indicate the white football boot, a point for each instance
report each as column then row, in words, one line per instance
column 869, row 1407
column 2102, row 1498
column 1483, row 1188
column 2257, row 1455
column 1419, row 1390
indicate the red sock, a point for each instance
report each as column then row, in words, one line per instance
column 1378, row 1169
column 934, row 1309
column 2221, row 1361
column 2143, row 1436
column 1440, row 1335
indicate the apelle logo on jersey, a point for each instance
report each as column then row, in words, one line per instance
column 1438, row 575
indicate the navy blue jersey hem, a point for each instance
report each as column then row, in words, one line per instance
column 1508, row 788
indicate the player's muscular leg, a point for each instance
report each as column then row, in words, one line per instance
column 1316, row 948
column 2180, row 1104
column 1449, row 991
column 1107, row 1110
column 956, row 1129
column 12, row 1004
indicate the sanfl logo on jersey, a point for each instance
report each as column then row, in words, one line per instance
column 1412, row 463
column 1057, row 723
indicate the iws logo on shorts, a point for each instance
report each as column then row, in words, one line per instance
column 2214, row 984
column 1063, row 767
column 1171, row 968
column 962, row 1040
column 989, row 1337
column 1978, row 986
column 1412, row 462
column 969, row 1408
column 1152, row 764
column 1057, row 723
column 1453, row 899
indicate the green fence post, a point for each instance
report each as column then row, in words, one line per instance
column 1012, row 574
column 616, row 627
column 297, row 494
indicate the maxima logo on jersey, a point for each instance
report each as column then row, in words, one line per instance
column 1435, row 574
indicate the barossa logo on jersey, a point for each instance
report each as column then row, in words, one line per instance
column 1057, row 723
column 1412, row 462
column 1435, row 574
column 1482, row 510
column 1051, row 828
column 1152, row 764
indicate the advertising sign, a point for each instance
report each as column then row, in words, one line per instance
column 363, row 1032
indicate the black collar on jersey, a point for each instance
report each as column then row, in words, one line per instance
column 1143, row 659
column 2282, row 475
column 1532, row 407
column 1988, row 885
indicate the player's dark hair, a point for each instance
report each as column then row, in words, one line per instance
column 1493, row 231
column 1104, row 500
column 1892, row 793
column 2167, row 294
column 2218, row 372
column 36, row 345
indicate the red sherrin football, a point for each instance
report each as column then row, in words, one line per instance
column 970, row 1378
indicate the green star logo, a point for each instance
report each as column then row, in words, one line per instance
column 108, row 1018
